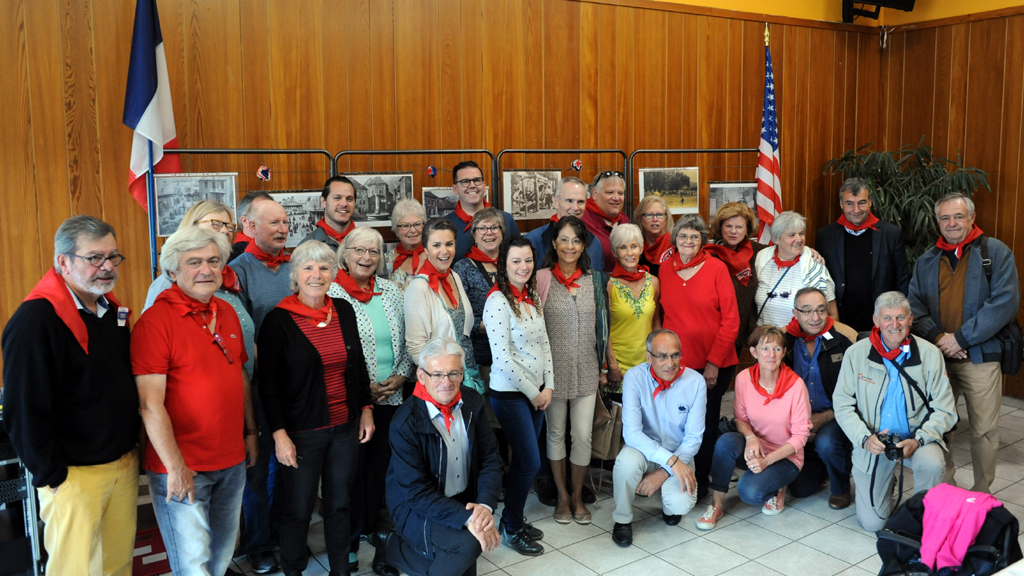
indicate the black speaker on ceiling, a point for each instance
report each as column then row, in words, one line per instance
column 849, row 12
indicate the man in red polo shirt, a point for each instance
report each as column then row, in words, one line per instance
column 604, row 211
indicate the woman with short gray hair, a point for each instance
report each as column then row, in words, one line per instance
column 633, row 296
column 407, row 220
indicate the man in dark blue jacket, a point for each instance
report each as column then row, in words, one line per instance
column 445, row 474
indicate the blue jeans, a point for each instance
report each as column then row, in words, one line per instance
column 521, row 423
column 261, row 519
column 702, row 460
column 754, row 489
column 200, row 537
column 829, row 454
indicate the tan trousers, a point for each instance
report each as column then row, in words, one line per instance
column 982, row 386
column 90, row 519
column 581, row 412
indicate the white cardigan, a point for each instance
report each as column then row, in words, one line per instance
column 427, row 318
column 520, row 349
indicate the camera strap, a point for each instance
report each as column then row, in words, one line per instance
column 771, row 294
column 871, row 490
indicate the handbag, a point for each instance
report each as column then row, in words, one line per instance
column 1010, row 336
column 606, row 440
column 601, row 414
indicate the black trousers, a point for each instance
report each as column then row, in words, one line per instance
column 455, row 553
column 702, row 461
column 368, row 491
column 329, row 454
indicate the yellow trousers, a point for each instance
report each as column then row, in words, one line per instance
column 90, row 519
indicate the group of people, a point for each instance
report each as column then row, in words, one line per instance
column 426, row 378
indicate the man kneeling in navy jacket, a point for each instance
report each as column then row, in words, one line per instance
column 445, row 474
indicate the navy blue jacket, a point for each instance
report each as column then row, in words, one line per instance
column 889, row 269
column 464, row 240
column 830, row 358
column 419, row 459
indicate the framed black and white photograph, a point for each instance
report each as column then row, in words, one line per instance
column 377, row 194
column 724, row 192
column 530, row 194
column 438, row 201
column 176, row 192
column 679, row 187
column 304, row 210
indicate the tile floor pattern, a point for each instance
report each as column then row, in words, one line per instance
column 807, row 539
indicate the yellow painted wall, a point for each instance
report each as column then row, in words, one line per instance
column 934, row 9
column 832, row 11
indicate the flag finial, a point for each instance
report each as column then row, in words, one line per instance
column 767, row 35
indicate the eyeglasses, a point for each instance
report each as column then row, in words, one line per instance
column 609, row 174
column 218, row 224
column 653, row 215
column 360, row 251
column 820, row 311
column 196, row 263
column 438, row 377
column 97, row 260
column 574, row 241
column 465, row 182
column 783, row 295
column 663, row 357
column 488, row 228
column 220, row 344
column 407, row 227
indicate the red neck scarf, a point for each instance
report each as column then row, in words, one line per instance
column 353, row 288
column 404, row 254
column 229, row 280
column 794, row 329
column 477, row 255
column 554, row 217
column 780, row 263
column 656, row 252
column 438, row 281
column 626, row 276
column 446, row 409
column 466, row 217
column 569, row 282
column 243, row 237
column 53, row 288
column 879, row 346
column 787, row 378
column 518, row 296
column 738, row 260
column 959, row 248
column 316, row 315
column 698, row 258
column 339, row 236
column 868, row 222
column 267, row 259
column 664, row 384
column 186, row 305
column 593, row 208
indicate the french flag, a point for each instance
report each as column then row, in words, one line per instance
column 147, row 103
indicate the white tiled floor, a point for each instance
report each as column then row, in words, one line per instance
column 807, row 539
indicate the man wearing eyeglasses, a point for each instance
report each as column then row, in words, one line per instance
column 338, row 200
column 663, row 405
column 570, row 200
column 470, row 186
column 604, row 211
column 445, row 473
column 70, row 403
column 815, row 346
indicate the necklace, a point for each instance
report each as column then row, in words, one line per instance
column 327, row 321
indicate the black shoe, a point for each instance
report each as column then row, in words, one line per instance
column 293, row 573
column 336, row 573
column 380, row 566
column 588, row 495
column 622, row 535
column 547, row 493
column 533, row 534
column 263, row 562
column 520, row 542
column 231, row 570
column 353, row 565
column 671, row 519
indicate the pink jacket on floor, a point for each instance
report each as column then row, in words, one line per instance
column 952, row 519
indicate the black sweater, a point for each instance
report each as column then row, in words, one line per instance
column 291, row 372
column 63, row 407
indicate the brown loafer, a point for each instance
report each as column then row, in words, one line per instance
column 839, row 502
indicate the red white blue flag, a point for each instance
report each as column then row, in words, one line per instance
column 147, row 102
column 769, row 186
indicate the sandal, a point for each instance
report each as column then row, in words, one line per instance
column 582, row 517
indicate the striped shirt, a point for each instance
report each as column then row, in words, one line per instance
column 330, row 344
column 777, row 288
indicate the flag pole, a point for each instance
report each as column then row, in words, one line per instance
column 767, row 34
column 151, row 214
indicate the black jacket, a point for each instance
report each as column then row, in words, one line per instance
column 830, row 359
column 416, row 474
column 889, row 269
column 291, row 372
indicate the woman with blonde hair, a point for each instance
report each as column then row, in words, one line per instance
column 655, row 220
column 732, row 231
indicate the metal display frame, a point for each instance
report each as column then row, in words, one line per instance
column 496, row 173
column 629, row 162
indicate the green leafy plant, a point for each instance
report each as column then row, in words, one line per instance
column 905, row 185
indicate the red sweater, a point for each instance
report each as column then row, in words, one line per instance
column 702, row 312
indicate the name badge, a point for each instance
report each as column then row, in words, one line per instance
column 837, row 357
column 122, row 315
column 905, row 348
column 826, row 336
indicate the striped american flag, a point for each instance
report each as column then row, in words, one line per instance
column 769, row 186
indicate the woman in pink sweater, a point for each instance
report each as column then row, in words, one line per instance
column 773, row 419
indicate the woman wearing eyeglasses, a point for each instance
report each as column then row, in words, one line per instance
column 407, row 220
column 699, row 304
column 315, row 390
column 478, row 270
column 655, row 220
column 786, row 269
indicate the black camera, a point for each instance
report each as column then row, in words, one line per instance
column 892, row 451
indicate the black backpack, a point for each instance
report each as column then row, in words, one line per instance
column 899, row 543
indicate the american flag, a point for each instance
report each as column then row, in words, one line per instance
column 769, row 186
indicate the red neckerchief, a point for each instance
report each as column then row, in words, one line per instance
column 677, row 260
column 229, row 280
column 243, row 237
column 53, row 288
column 519, row 297
column 780, row 263
column 959, row 248
column 477, row 255
column 655, row 252
column 404, row 254
column 664, row 384
column 267, row 259
column 466, row 217
column 569, row 282
column 595, row 209
column 354, row 289
column 554, row 217
column 316, row 315
column 626, row 276
column 876, row 342
column 794, row 329
column 737, row 261
column 339, row 236
column 438, row 281
column 868, row 222
column 787, row 378
column 188, row 306
column 446, row 409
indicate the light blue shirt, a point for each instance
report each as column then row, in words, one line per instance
column 672, row 423
column 894, row 405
